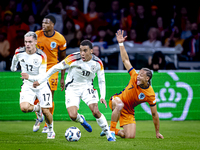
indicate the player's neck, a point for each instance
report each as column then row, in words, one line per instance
column 49, row 33
column 144, row 86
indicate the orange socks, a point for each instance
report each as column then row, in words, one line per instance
column 113, row 127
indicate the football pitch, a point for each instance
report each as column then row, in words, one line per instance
column 178, row 135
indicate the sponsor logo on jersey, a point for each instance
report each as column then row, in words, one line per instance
column 22, row 60
column 48, row 104
column 53, row 45
column 141, row 96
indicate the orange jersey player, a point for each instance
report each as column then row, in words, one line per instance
column 53, row 44
column 138, row 90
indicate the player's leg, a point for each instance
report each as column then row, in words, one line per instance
column 53, row 82
column 129, row 130
column 101, row 121
column 27, row 98
column 72, row 101
column 91, row 98
column 116, row 105
column 45, row 97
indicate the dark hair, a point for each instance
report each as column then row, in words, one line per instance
column 87, row 43
column 52, row 18
column 148, row 73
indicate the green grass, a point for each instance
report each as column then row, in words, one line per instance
column 18, row 135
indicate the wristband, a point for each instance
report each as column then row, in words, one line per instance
column 121, row 44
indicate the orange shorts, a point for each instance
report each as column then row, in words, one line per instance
column 125, row 117
column 53, row 81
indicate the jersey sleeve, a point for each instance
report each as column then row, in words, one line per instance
column 101, row 79
column 151, row 98
column 62, row 44
column 15, row 59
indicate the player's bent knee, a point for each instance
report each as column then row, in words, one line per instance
column 96, row 113
column 72, row 116
column 130, row 136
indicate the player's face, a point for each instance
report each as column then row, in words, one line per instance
column 142, row 78
column 47, row 25
column 30, row 44
column 85, row 53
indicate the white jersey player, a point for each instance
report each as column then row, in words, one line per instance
column 33, row 64
column 83, row 67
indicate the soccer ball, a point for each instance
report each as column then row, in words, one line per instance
column 72, row 134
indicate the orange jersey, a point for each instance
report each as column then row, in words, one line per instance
column 51, row 45
column 134, row 95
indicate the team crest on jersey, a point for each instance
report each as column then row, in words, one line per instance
column 53, row 45
column 35, row 61
column 93, row 68
column 141, row 96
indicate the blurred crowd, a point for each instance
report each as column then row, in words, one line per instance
column 151, row 23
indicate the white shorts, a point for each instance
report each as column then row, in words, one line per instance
column 73, row 95
column 43, row 94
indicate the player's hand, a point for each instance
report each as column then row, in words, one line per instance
column 35, row 84
column 24, row 76
column 120, row 37
column 159, row 136
column 103, row 101
column 62, row 84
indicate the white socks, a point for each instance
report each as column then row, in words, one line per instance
column 36, row 108
column 79, row 118
column 102, row 122
column 50, row 127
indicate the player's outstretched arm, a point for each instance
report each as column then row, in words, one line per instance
column 54, row 69
column 156, row 121
column 124, row 55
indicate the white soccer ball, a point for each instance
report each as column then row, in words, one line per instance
column 72, row 134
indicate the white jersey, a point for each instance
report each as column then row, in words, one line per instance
column 80, row 73
column 33, row 64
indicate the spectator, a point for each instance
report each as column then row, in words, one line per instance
column 187, row 32
column 97, row 52
column 142, row 23
column 12, row 32
column 77, row 40
column 153, row 41
column 89, row 32
column 191, row 46
column 113, row 16
column 133, row 36
column 76, row 15
column 55, row 8
column 5, row 60
column 92, row 13
column 158, row 62
column 99, row 22
column 153, row 16
column 26, row 7
column 69, row 30
column 7, row 22
column 32, row 24
column 175, row 38
column 102, row 39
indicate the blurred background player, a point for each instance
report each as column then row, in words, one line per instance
column 83, row 67
column 54, row 46
column 33, row 62
column 138, row 90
